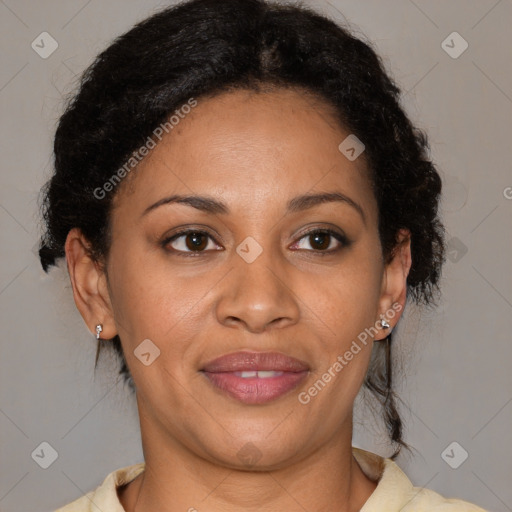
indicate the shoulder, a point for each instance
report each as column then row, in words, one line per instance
column 395, row 491
column 427, row 500
column 105, row 497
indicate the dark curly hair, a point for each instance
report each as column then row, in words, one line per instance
column 205, row 47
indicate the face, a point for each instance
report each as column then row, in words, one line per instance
column 251, row 268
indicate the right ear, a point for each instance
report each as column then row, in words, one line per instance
column 89, row 283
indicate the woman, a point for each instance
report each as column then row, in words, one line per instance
column 244, row 209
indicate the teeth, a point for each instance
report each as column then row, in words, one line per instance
column 247, row 375
column 267, row 374
column 259, row 375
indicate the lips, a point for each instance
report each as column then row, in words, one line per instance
column 255, row 361
column 255, row 377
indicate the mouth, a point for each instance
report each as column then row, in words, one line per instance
column 255, row 377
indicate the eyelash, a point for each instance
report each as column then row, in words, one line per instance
column 194, row 254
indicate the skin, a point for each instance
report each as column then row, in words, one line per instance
column 254, row 152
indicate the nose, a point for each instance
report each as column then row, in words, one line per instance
column 257, row 296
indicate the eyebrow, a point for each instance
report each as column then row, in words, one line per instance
column 297, row 204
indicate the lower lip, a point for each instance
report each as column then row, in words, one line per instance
column 254, row 390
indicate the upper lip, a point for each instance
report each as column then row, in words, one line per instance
column 255, row 361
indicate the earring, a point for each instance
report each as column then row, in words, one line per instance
column 99, row 328
column 384, row 323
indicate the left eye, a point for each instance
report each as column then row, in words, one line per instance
column 323, row 240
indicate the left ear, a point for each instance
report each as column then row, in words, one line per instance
column 394, row 283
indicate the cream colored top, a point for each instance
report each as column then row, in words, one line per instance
column 394, row 491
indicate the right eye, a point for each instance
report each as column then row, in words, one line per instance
column 189, row 241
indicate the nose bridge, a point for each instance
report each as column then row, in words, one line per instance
column 256, row 292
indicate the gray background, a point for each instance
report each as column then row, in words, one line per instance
column 456, row 358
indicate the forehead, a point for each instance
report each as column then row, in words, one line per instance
column 244, row 145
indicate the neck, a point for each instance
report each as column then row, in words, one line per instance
column 176, row 479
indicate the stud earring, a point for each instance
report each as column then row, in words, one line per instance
column 384, row 323
column 99, row 328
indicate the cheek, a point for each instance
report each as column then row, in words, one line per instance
column 138, row 293
column 348, row 308
column 152, row 301
column 346, row 301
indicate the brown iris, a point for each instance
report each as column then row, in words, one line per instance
column 321, row 240
column 196, row 241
